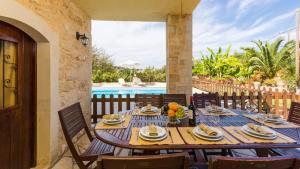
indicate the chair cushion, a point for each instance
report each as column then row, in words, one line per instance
column 95, row 149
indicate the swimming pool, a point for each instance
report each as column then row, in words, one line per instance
column 126, row 90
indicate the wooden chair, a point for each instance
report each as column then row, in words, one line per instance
column 294, row 117
column 179, row 98
column 201, row 99
column 294, row 114
column 72, row 122
column 286, row 162
column 153, row 99
column 168, row 161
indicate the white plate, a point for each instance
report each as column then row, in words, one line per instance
column 153, row 139
column 275, row 121
column 257, row 136
column 152, row 110
column 207, row 138
column 113, row 122
column 249, row 130
column 144, row 131
column 200, row 132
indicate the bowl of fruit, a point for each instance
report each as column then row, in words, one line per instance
column 175, row 112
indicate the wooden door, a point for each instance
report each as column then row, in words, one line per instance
column 17, row 98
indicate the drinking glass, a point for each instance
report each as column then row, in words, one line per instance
column 207, row 104
column 214, row 119
column 248, row 108
column 253, row 107
column 136, row 107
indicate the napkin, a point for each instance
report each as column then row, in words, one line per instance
column 152, row 130
column 208, row 130
column 148, row 107
column 259, row 129
column 111, row 117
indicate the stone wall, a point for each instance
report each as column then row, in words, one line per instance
column 179, row 54
column 65, row 18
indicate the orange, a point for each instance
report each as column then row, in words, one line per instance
column 173, row 106
column 171, row 113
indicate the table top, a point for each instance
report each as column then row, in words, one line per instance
column 121, row 137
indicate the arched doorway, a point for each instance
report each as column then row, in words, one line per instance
column 48, row 53
column 17, row 98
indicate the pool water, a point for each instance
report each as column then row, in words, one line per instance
column 126, row 90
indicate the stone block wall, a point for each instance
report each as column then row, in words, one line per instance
column 179, row 54
column 75, row 62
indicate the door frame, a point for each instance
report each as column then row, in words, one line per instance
column 48, row 53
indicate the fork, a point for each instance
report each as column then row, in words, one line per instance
column 170, row 134
column 228, row 139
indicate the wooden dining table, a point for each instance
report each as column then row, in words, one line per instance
column 121, row 137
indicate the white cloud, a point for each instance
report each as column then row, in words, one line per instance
column 144, row 42
column 214, row 33
column 243, row 6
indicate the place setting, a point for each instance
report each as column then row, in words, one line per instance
column 254, row 133
column 271, row 120
column 216, row 110
column 153, row 134
column 204, row 134
column 113, row 121
column 148, row 110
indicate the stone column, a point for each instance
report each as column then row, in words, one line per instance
column 179, row 54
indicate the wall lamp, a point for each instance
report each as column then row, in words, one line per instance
column 82, row 38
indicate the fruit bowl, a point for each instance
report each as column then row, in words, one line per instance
column 175, row 112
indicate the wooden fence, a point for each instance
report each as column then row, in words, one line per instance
column 277, row 101
column 111, row 104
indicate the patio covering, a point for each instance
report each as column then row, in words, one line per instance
column 136, row 10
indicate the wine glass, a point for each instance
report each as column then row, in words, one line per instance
column 214, row 119
column 136, row 107
column 207, row 104
column 248, row 107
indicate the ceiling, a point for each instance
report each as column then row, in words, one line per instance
column 135, row 10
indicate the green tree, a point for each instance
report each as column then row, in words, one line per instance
column 217, row 64
column 269, row 58
column 102, row 66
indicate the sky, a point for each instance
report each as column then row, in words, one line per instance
column 216, row 23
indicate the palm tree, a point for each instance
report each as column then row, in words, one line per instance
column 270, row 58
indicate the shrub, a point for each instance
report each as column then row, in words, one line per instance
column 270, row 82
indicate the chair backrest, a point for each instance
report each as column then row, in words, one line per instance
column 282, row 162
column 294, row 114
column 153, row 99
column 169, row 161
column 179, row 98
column 201, row 99
column 72, row 122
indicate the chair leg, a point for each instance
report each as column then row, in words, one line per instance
column 230, row 152
column 204, row 154
column 224, row 152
